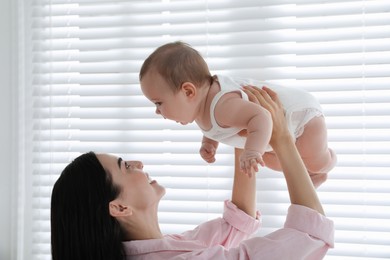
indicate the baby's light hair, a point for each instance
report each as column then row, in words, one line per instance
column 177, row 62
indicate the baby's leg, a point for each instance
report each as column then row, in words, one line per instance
column 313, row 148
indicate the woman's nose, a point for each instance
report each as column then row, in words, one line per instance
column 136, row 164
column 158, row 111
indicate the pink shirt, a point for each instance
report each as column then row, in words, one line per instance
column 306, row 235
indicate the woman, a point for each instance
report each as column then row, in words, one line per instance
column 106, row 208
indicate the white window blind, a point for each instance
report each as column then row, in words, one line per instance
column 80, row 92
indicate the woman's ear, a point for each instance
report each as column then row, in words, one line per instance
column 189, row 89
column 118, row 210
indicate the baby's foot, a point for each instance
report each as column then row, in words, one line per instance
column 318, row 178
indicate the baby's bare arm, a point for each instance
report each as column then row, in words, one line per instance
column 205, row 139
column 232, row 111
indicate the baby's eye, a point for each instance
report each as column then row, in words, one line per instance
column 126, row 165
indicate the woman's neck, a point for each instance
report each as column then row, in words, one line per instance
column 141, row 226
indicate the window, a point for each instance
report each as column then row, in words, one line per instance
column 80, row 92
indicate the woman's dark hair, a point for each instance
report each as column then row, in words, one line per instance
column 81, row 225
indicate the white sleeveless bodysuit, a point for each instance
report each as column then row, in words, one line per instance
column 300, row 107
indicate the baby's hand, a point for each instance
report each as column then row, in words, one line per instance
column 249, row 161
column 207, row 151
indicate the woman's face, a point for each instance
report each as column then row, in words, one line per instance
column 138, row 190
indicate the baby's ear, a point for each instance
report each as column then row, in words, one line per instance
column 189, row 89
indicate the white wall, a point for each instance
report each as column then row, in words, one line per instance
column 6, row 144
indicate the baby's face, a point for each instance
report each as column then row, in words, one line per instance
column 170, row 105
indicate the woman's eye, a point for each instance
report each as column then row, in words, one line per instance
column 126, row 165
column 158, row 104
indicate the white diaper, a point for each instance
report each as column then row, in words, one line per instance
column 298, row 119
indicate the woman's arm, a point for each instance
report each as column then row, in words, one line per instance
column 244, row 188
column 300, row 187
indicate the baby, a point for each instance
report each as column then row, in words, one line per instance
column 176, row 78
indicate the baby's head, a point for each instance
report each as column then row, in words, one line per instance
column 177, row 62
